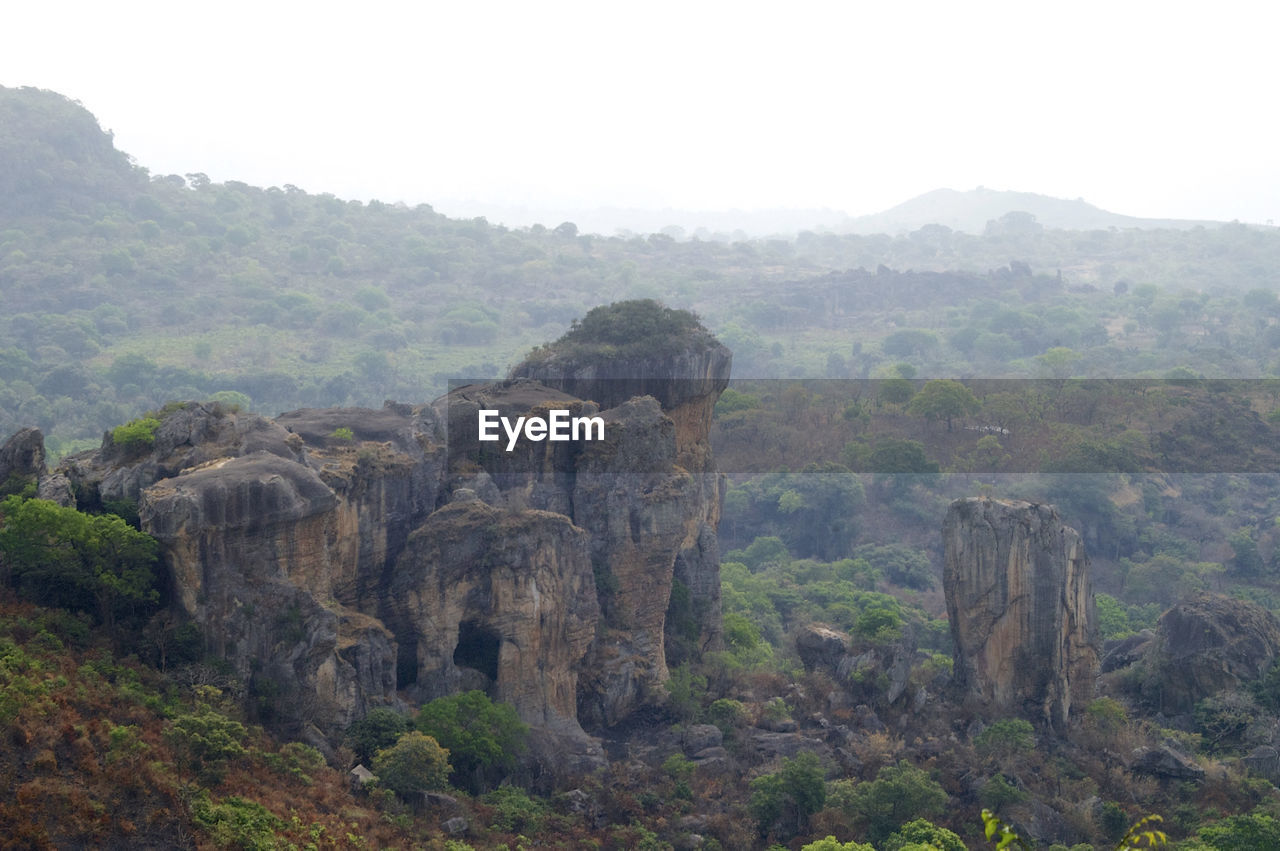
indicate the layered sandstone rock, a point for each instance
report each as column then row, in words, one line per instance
column 1020, row 601
column 499, row 600
column 641, row 512
column 686, row 381
column 349, row 558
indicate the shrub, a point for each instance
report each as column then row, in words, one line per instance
column 1005, row 739
column 136, row 435
column 515, row 811
column 416, row 763
column 235, row 822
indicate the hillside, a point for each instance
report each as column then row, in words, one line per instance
column 124, row 290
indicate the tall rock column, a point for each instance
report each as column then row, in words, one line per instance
column 1020, row 601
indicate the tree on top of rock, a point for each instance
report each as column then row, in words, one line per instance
column 631, row 329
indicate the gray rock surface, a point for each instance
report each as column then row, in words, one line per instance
column 1166, row 763
column 22, row 459
column 1204, row 645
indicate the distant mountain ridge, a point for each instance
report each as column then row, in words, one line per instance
column 970, row 211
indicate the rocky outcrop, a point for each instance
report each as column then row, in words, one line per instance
column 350, row 558
column 821, row 647
column 1204, row 645
column 686, row 380
column 21, row 460
column 498, row 600
column 642, row 513
column 1166, row 763
column 1020, row 601
column 189, row 436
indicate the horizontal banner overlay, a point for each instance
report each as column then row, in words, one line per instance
column 898, row 426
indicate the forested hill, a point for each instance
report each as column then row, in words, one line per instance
column 122, row 290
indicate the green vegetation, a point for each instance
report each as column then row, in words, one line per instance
column 415, row 763
column 483, row 738
column 375, row 731
column 637, row 328
column 899, row 793
column 58, row 556
column 788, row 797
column 136, row 435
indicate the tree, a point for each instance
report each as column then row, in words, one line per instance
column 1059, row 361
column 894, row 455
column 1249, row 832
column 60, row 557
column 908, row 342
column 895, row 391
column 830, row 843
column 790, row 795
column 482, row 737
column 943, row 399
column 922, row 833
column 205, row 741
column 375, row 731
column 899, row 792
column 415, row 763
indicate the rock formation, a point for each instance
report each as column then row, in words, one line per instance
column 350, row 558
column 1204, row 645
column 1021, row 606
column 21, row 460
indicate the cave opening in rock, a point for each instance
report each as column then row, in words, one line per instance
column 407, row 663
column 477, row 649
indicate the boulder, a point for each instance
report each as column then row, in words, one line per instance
column 1123, row 652
column 1204, row 645
column 21, row 460
column 1264, row 761
column 699, row 737
column 1165, row 763
column 1020, row 602
column 820, row 646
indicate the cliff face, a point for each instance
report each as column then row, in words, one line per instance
column 351, row 558
column 686, row 383
column 1020, row 601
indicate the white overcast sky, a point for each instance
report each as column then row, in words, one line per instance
column 1150, row 109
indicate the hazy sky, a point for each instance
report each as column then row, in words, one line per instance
column 1150, row 109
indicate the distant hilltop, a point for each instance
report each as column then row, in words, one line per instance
column 971, row 211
